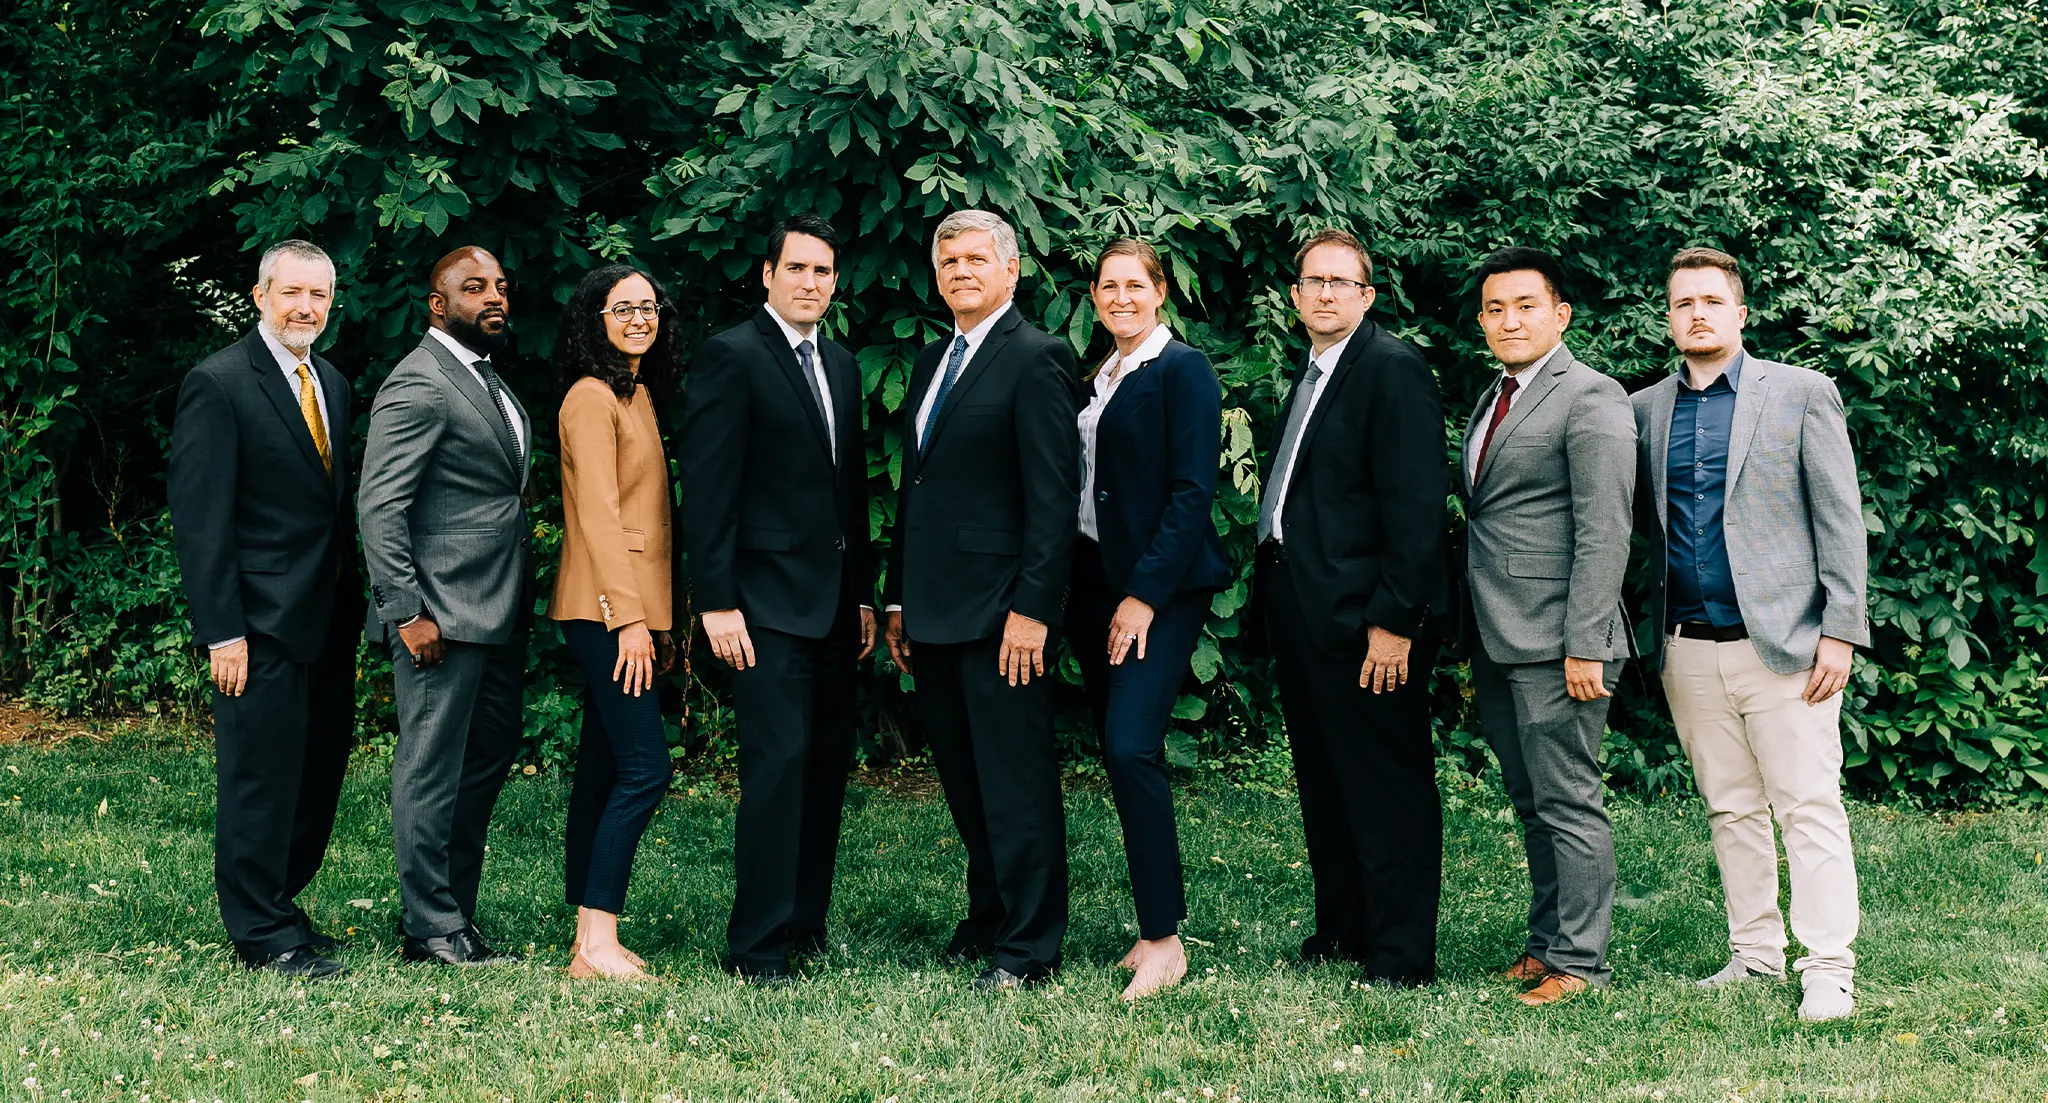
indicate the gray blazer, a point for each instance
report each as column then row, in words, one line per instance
column 1547, row 521
column 1793, row 517
column 444, row 529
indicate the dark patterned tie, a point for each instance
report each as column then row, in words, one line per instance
column 953, row 363
column 806, row 361
column 1296, row 414
column 497, row 390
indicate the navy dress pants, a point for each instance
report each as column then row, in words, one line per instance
column 1132, row 704
column 622, row 770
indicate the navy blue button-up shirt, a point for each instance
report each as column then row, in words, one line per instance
column 1701, row 583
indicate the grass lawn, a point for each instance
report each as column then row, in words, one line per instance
column 116, row 983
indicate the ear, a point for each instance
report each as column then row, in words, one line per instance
column 1564, row 314
column 1368, row 296
column 437, row 304
column 1742, row 315
column 767, row 272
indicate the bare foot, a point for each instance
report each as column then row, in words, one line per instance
column 576, row 951
column 614, row 962
column 1132, row 958
column 1161, row 965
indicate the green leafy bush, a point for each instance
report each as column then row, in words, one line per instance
column 1881, row 169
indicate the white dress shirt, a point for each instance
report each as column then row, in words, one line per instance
column 1108, row 378
column 288, row 362
column 1492, row 396
column 817, row 372
column 1328, row 362
column 974, row 337
column 469, row 360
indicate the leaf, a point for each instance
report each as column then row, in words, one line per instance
column 732, row 101
column 1189, row 707
column 1182, row 751
column 1207, row 661
column 1168, row 70
column 1971, row 755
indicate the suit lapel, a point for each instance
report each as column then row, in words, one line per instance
column 1331, row 383
column 270, row 377
column 340, row 417
column 466, row 382
column 991, row 347
column 1663, row 399
column 784, row 356
column 1749, row 411
column 1473, row 426
column 846, row 411
column 1539, row 388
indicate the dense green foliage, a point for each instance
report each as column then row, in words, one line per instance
column 1881, row 168
column 110, row 937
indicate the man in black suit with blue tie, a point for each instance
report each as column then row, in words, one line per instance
column 259, row 495
column 985, row 523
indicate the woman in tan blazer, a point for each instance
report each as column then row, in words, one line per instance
column 612, row 595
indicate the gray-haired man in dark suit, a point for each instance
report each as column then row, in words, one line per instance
column 445, row 535
column 1749, row 502
column 1548, row 474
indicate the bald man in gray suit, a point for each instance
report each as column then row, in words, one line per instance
column 451, row 581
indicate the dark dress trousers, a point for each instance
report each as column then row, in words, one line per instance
column 445, row 534
column 1362, row 544
column 985, row 523
column 266, row 544
column 1157, row 446
column 775, row 520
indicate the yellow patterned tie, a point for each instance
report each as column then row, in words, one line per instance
column 309, row 408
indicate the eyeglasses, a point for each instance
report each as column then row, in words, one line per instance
column 624, row 311
column 1314, row 285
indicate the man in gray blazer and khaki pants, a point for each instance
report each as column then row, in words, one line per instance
column 1749, row 502
column 1547, row 475
column 445, row 535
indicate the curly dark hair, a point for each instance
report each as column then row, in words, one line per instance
column 584, row 348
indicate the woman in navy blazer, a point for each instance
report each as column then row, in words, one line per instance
column 1145, row 567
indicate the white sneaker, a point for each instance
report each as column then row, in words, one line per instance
column 1826, row 998
column 1735, row 972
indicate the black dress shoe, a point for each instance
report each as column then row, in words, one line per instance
column 998, row 979
column 1317, row 950
column 300, row 962
column 491, row 956
column 457, row 948
column 963, row 950
column 813, row 943
column 325, row 944
column 772, row 978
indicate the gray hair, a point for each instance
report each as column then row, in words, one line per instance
column 966, row 222
column 266, row 269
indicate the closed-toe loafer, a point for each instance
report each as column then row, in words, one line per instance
column 1735, row 972
column 300, row 962
column 999, row 979
column 322, row 943
column 488, row 955
column 1554, row 988
column 963, row 950
column 455, row 948
column 1527, row 969
column 1826, row 998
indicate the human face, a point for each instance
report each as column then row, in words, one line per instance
column 971, row 280
column 294, row 304
column 1706, row 321
column 800, row 281
column 1333, row 312
column 1126, row 299
column 636, row 334
column 470, row 300
column 1521, row 316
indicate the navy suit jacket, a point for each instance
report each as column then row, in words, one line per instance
column 1157, row 448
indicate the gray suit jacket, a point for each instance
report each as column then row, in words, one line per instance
column 444, row 528
column 1547, row 522
column 1793, row 517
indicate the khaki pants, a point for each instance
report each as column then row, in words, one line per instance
column 1757, row 750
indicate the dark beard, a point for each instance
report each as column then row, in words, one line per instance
column 473, row 336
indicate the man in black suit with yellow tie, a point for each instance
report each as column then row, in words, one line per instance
column 986, row 514
column 259, row 495
column 775, row 517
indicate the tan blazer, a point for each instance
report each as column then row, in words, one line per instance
column 615, row 506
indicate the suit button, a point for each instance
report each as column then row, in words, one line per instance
column 1102, row 495
column 839, row 544
column 919, row 481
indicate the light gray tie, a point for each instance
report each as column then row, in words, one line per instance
column 1297, row 413
column 805, row 360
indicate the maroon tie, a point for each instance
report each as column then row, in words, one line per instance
column 1500, row 414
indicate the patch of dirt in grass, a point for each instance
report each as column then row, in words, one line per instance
column 20, row 723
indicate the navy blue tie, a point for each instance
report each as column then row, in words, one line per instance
column 953, row 363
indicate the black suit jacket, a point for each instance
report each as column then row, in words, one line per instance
column 985, row 519
column 260, row 527
column 772, row 527
column 1157, row 447
column 1364, row 517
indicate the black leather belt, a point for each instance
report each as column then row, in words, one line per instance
column 1693, row 630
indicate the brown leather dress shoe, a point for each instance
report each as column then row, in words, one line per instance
column 1554, row 988
column 1526, row 969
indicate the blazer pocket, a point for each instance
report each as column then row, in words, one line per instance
column 990, row 541
column 767, row 540
column 1527, row 565
column 635, row 540
column 265, row 560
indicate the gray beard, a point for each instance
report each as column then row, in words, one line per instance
column 278, row 331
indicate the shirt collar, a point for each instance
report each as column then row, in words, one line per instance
column 1328, row 360
column 1147, row 351
column 1538, row 365
column 1732, row 373
column 285, row 359
column 975, row 335
column 788, row 330
column 462, row 352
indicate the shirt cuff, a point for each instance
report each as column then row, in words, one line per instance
column 893, row 609
column 407, row 622
column 225, row 643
